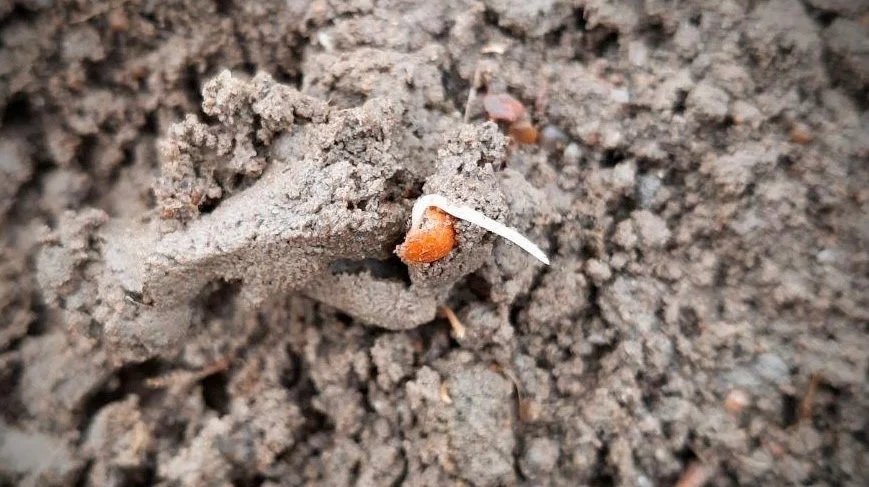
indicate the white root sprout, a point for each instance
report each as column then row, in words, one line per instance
column 473, row 216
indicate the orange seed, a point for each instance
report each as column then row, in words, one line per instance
column 431, row 242
column 800, row 134
column 524, row 133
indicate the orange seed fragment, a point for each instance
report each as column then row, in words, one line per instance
column 800, row 134
column 432, row 241
column 524, row 133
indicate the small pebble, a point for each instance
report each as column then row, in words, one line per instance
column 624, row 236
column 118, row 21
column 598, row 271
column 541, row 456
column 827, row 256
column 638, row 53
column 624, row 176
column 643, row 481
column 800, row 134
column 746, row 113
column 620, row 95
column 619, row 260
column 651, row 229
column 687, row 40
column 771, row 367
column 572, row 153
column 612, row 138
column 736, row 401
column 775, row 448
column 503, row 107
column 647, row 189
column 708, row 101
column 553, row 138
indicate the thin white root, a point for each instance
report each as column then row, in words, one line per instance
column 473, row 216
column 476, row 83
column 445, row 393
column 459, row 330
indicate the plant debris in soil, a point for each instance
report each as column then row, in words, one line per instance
column 200, row 205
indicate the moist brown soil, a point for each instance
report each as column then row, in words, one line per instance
column 200, row 202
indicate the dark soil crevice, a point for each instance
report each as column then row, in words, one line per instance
column 130, row 379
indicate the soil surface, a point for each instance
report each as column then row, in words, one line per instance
column 200, row 203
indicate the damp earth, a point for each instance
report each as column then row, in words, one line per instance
column 200, row 204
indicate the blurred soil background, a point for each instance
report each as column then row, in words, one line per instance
column 701, row 184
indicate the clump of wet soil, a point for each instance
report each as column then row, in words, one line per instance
column 199, row 206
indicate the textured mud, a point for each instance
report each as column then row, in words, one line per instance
column 199, row 206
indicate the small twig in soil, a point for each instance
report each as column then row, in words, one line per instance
column 696, row 475
column 808, row 402
column 494, row 48
column 184, row 378
column 476, row 84
column 529, row 410
column 459, row 330
column 135, row 298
